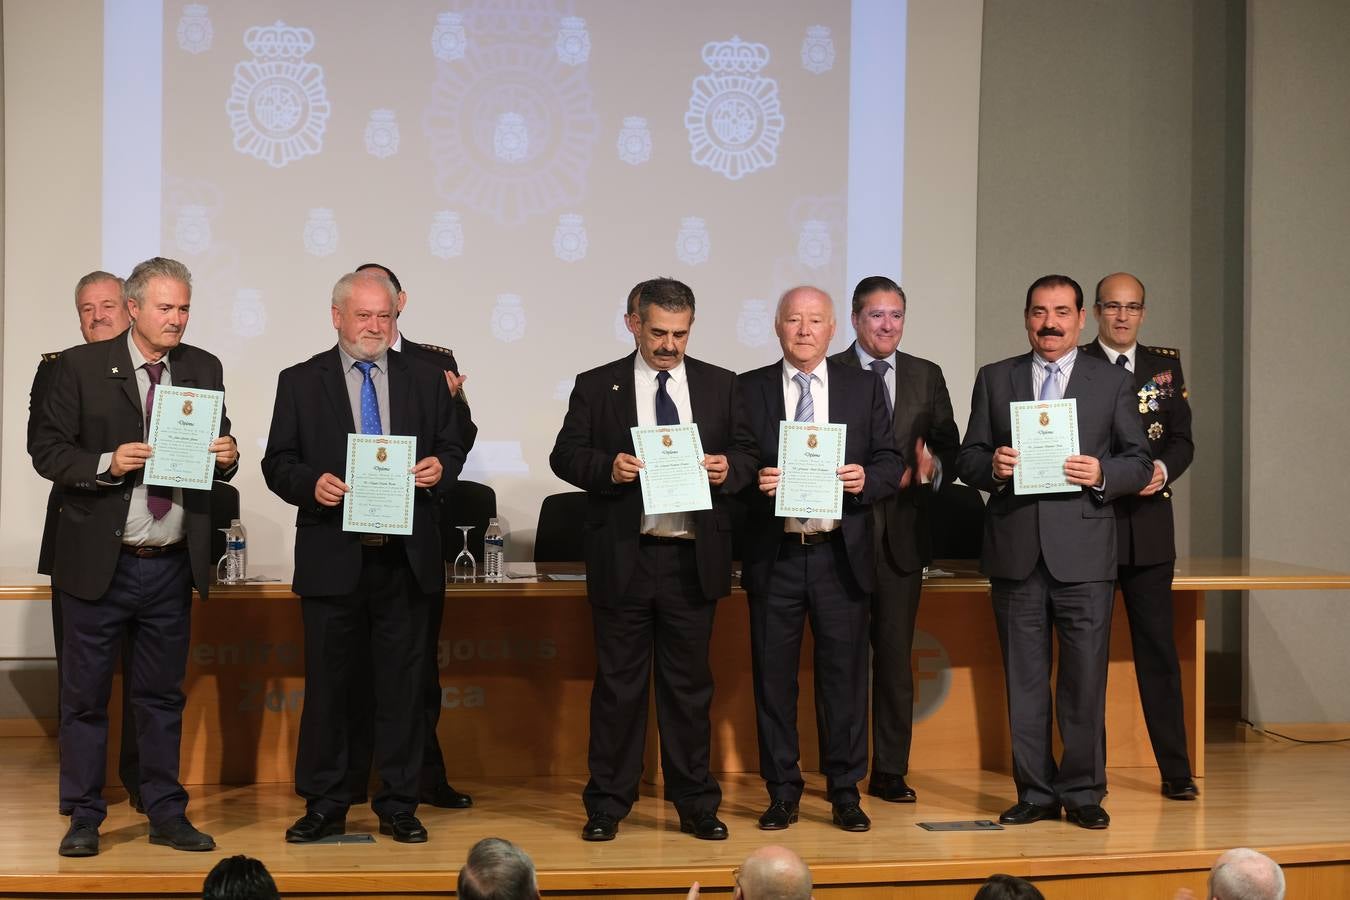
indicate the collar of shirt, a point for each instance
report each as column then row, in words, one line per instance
column 1112, row 354
column 641, row 369
column 1064, row 363
column 867, row 359
column 348, row 360
column 818, row 376
column 397, row 345
column 138, row 358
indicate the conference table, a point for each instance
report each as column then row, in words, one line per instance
column 516, row 660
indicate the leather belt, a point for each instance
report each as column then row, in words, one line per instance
column 663, row 539
column 149, row 552
column 810, row 538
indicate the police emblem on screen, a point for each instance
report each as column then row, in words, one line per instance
column 447, row 38
column 382, row 134
column 818, row 50
column 446, row 235
column 635, row 141
column 569, row 238
column 692, row 242
column 574, row 43
column 278, row 105
column 321, row 232
column 734, row 118
column 192, row 229
column 508, row 319
column 755, row 323
column 194, row 29
column 813, row 244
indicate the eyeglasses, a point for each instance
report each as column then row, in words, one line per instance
column 1115, row 309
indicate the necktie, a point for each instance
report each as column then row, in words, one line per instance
column 1050, row 387
column 881, row 367
column 666, row 413
column 370, row 406
column 1123, row 362
column 806, row 407
column 158, row 499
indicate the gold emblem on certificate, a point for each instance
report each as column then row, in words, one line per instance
column 1045, row 418
column 811, row 441
column 666, row 440
column 187, row 407
column 381, row 454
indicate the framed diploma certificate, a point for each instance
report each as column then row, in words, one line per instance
column 808, row 454
column 183, row 424
column 379, row 473
column 1044, row 434
column 673, row 478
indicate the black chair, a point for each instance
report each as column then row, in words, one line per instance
column 956, row 522
column 558, row 538
column 224, row 510
column 469, row 503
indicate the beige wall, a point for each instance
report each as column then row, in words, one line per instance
column 1298, row 378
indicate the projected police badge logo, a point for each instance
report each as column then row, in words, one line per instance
column 635, row 141
column 248, row 317
column 814, row 248
column 734, row 119
column 692, row 244
column 382, row 133
column 447, row 38
column 818, row 50
column 278, row 105
column 574, row 43
column 508, row 319
column 194, row 29
column 754, row 326
column 192, row 229
column 321, row 232
column 446, row 237
column 569, row 238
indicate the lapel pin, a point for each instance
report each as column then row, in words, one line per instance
column 114, row 371
column 613, row 387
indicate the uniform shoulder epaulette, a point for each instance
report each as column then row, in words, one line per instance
column 1170, row 352
column 53, row 356
column 434, row 349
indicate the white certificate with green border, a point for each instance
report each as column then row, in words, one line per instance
column 381, row 483
column 183, row 423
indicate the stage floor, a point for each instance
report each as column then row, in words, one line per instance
column 1287, row 799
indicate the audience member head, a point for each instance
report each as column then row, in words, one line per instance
column 1008, row 887
column 1244, row 874
column 239, row 878
column 663, row 314
column 497, row 870
column 773, row 873
column 1054, row 315
column 160, row 292
column 804, row 324
column 101, row 302
column 364, row 306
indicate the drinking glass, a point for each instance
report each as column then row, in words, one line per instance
column 465, row 567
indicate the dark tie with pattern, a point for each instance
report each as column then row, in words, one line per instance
column 881, row 367
column 666, row 413
column 159, row 499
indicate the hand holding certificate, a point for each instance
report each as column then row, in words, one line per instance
column 808, row 484
column 672, row 474
column 183, row 424
column 380, row 482
column 1044, row 434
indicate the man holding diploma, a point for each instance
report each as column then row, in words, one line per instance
column 1051, row 557
column 126, row 556
column 821, row 569
column 347, row 579
column 653, row 579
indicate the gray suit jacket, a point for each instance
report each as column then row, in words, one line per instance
column 1075, row 532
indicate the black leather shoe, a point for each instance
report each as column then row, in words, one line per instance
column 705, row 826
column 891, row 788
column 313, row 826
column 134, row 798
column 81, row 840
column 1180, row 789
column 850, row 817
column 1024, row 813
column 446, row 797
column 600, row 827
column 180, row 834
column 779, row 815
column 404, row 827
column 1090, row 816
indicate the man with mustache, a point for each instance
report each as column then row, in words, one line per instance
column 653, row 581
column 1051, row 558
column 1147, row 549
column 101, row 304
column 127, row 554
column 350, row 583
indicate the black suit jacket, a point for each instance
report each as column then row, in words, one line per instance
column 1144, row 527
column 310, row 423
column 858, row 400
column 37, row 395
column 1074, row 531
column 600, row 413
column 922, row 409
column 92, row 406
column 444, row 360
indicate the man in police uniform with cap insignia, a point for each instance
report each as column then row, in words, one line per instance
column 1147, row 549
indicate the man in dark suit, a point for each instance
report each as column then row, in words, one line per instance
column 435, row 788
column 923, row 423
column 101, row 304
column 653, row 580
column 819, row 569
column 1147, row 548
column 126, row 553
column 1051, row 557
column 351, row 582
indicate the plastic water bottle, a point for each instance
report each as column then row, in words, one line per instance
column 494, row 551
column 236, row 552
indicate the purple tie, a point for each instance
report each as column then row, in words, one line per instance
column 159, row 499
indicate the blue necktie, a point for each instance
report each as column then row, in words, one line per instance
column 806, row 407
column 881, row 367
column 370, row 405
column 666, row 413
column 1050, row 386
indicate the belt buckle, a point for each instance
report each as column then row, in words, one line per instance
column 374, row 540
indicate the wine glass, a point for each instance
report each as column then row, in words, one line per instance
column 465, row 566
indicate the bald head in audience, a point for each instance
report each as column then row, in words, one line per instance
column 1243, row 874
column 773, row 873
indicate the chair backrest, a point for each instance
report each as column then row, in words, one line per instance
column 224, row 509
column 558, row 538
column 469, row 503
column 956, row 522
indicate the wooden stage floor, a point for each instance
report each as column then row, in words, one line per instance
column 1286, row 799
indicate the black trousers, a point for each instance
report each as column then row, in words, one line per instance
column 1148, row 604
column 663, row 616
column 1030, row 615
column 895, row 608
column 128, row 758
column 387, row 613
column 153, row 598
column 812, row 583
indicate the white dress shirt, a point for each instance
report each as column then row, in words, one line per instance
column 681, row 524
